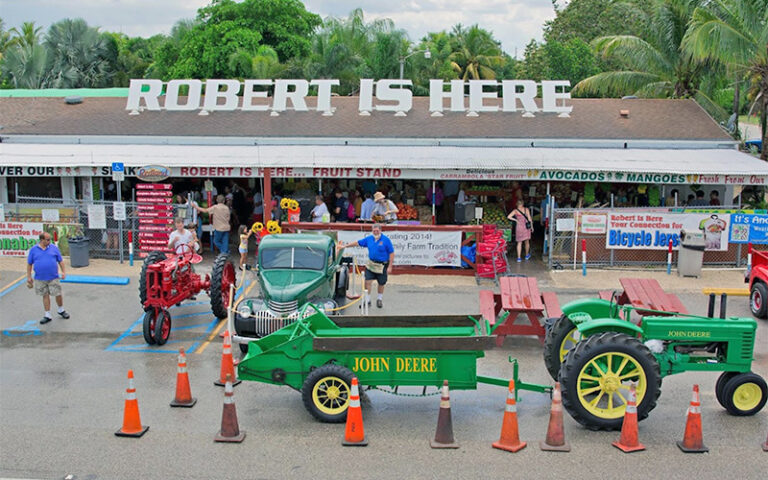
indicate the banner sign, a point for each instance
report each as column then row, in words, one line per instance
column 155, row 215
column 16, row 238
column 593, row 224
column 653, row 231
column 430, row 249
column 749, row 229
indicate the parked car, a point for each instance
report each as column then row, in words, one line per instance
column 292, row 270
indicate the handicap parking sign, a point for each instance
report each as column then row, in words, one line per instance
column 118, row 167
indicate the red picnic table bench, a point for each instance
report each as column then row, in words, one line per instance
column 647, row 296
column 519, row 296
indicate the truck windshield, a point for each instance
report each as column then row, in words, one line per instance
column 292, row 257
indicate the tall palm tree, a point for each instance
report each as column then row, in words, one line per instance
column 28, row 34
column 735, row 33
column 6, row 40
column 476, row 54
column 26, row 66
column 654, row 66
column 78, row 55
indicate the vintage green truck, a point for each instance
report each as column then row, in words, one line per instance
column 292, row 270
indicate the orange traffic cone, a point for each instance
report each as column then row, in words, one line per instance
column 629, row 442
column 227, row 365
column 555, row 441
column 229, row 432
column 765, row 445
column 354, row 434
column 444, row 433
column 131, row 419
column 693, row 441
column 183, row 392
column 510, row 436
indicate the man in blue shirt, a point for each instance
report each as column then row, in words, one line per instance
column 46, row 259
column 366, row 209
column 381, row 257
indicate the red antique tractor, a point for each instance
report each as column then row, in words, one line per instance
column 167, row 281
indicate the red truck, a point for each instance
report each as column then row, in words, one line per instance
column 758, row 284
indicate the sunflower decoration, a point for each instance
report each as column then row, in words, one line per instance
column 284, row 203
column 257, row 227
column 273, row 227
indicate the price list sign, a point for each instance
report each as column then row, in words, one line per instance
column 155, row 212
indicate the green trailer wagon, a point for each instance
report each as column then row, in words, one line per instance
column 318, row 357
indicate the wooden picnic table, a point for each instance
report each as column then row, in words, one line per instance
column 519, row 297
column 646, row 295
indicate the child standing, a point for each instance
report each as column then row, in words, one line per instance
column 245, row 234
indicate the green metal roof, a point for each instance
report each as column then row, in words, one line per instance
column 64, row 92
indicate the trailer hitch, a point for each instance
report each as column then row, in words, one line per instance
column 519, row 384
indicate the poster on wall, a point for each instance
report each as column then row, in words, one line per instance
column 425, row 248
column 97, row 217
column 653, row 231
column 593, row 224
column 747, row 228
column 18, row 237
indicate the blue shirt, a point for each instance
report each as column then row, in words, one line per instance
column 366, row 209
column 45, row 262
column 377, row 251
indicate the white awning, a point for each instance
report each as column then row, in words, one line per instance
column 713, row 166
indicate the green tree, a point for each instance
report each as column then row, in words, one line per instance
column 438, row 65
column 27, row 35
column 26, row 66
column 735, row 33
column 573, row 60
column 476, row 54
column 6, row 40
column 78, row 55
column 589, row 19
column 206, row 49
column 535, row 65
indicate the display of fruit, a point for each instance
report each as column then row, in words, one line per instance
column 406, row 212
column 493, row 214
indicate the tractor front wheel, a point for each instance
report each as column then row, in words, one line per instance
column 326, row 393
column 596, row 378
column 720, row 385
column 222, row 277
column 758, row 297
column 744, row 394
column 560, row 339
column 150, row 316
column 163, row 327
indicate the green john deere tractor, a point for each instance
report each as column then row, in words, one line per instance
column 595, row 352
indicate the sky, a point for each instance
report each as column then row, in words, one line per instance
column 514, row 23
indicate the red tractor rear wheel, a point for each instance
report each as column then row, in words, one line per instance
column 222, row 277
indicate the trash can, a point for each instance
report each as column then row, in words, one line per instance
column 691, row 253
column 464, row 212
column 78, row 252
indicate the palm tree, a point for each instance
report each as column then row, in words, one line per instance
column 27, row 35
column 476, row 54
column 26, row 66
column 6, row 41
column 735, row 33
column 653, row 67
column 79, row 56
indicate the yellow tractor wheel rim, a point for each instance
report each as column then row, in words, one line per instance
column 570, row 341
column 747, row 396
column 331, row 395
column 603, row 384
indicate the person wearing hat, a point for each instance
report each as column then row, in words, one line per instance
column 381, row 257
column 384, row 208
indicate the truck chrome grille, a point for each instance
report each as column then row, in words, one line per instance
column 283, row 308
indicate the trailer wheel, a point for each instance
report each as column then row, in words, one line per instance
column 720, row 385
column 162, row 327
column 222, row 276
column 153, row 257
column 758, row 299
column 560, row 339
column 326, row 393
column 595, row 377
column 744, row 394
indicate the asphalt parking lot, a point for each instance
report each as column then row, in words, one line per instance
column 62, row 391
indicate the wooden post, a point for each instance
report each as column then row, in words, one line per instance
column 267, row 194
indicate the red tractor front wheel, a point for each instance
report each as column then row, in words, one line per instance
column 157, row 326
column 222, row 277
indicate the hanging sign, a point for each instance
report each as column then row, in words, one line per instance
column 97, row 217
column 653, row 231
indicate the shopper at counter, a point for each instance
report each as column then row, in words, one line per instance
column 699, row 202
column 384, row 208
column 320, row 212
column 366, row 208
column 220, row 213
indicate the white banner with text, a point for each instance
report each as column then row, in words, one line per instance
column 426, row 248
column 653, row 231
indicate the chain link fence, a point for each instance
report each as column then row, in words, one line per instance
column 566, row 234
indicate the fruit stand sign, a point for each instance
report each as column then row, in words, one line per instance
column 425, row 248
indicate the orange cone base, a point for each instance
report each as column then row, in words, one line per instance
column 627, row 449
column 121, row 433
column 236, row 439
column 234, row 384
column 188, row 404
column 509, row 448
column 361, row 443
column 435, row 444
column 566, row 447
column 692, row 450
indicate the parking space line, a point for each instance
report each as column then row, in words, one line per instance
column 11, row 286
column 116, row 347
column 245, row 289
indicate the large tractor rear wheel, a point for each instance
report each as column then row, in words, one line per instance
column 326, row 393
column 222, row 276
column 596, row 376
column 153, row 257
column 758, row 300
column 744, row 394
column 560, row 339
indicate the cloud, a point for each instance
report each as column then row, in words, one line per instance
column 512, row 23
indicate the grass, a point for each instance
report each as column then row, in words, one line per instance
column 753, row 120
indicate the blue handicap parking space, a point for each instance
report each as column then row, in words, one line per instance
column 29, row 328
column 194, row 317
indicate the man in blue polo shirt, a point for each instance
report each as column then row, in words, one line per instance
column 381, row 257
column 46, row 259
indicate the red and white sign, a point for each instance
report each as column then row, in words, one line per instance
column 155, row 215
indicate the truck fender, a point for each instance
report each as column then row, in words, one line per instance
column 600, row 325
column 594, row 307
